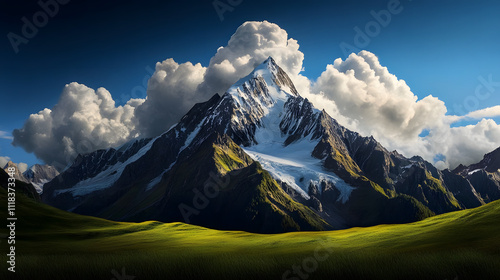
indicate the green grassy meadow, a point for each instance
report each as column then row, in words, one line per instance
column 52, row 244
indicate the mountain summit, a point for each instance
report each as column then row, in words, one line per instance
column 259, row 158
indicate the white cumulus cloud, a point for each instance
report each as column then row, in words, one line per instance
column 365, row 97
column 383, row 105
column 248, row 47
column 172, row 91
column 83, row 120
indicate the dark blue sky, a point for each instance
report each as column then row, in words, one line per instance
column 437, row 47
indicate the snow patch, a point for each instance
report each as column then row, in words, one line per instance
column 295, row 166
column 192, row 135
column 474, row 171
column 106, row 178
column 408, row 166
column 157, row 180
column 39, row 186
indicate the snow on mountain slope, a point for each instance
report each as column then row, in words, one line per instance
column 107, row 177
column 295, row 166
column 38, row 175
column 270, row 96
column 490, row 163
column 39, row 186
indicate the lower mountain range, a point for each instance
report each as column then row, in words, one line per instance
column 37, row 175
column 261, row 158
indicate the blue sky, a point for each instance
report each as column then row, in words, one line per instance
column 438, row 47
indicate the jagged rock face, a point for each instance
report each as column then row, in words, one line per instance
column 490, row 164
column 484, row 176
column 38, row 175
column 18, row 175
column 89, row 166
column 487, row 184
column 462, row 189
column 290, row 167
column 23, row 188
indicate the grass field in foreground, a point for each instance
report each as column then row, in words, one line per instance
column 52, row 244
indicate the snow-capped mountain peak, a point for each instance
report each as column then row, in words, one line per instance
column 265, row 85
column 269, row 111
column 38, row 175
column 257, row 102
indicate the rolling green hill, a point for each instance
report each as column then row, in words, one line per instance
column 52, row 244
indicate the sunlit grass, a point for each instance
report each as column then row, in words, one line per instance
column 58, row 245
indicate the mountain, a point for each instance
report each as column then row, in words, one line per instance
column 18, row 175
column 484, row 175
column 20, row 187
column 259, row 158
column 38, row 175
